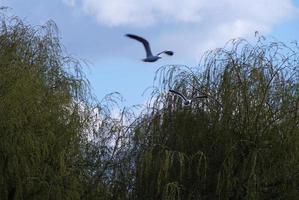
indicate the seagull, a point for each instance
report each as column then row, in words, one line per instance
column 188, row 102
column 149, row 56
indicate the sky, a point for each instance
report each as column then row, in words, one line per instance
column 93, row 30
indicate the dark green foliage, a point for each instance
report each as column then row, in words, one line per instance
column 109, row 169
column 41, row 119
column 58, row 142
column 240, row 143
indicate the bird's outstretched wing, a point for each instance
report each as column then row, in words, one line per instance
column 200, row 97
column 144, row 42
column 170, row 53
column 175, row 92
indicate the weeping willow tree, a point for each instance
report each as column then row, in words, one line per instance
column 57, row 141
column 239, row 143
column 109, row 153
column 44, row 112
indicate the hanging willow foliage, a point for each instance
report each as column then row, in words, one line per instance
column 44, row 109
column 58, row 142
column 239, row 143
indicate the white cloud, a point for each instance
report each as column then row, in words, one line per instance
column 70, row 3
column 190, row 26
column 151, row 12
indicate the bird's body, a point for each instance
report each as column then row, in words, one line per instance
column 186, row 101
column 151, row 59
column 149, row 55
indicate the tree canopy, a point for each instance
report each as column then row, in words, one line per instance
column 240, row 143
column 57, row 141
column 41, row 114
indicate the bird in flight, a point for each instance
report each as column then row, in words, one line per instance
column 149, row 56
column 188, row 102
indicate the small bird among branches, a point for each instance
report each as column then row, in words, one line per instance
column 187, row 101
